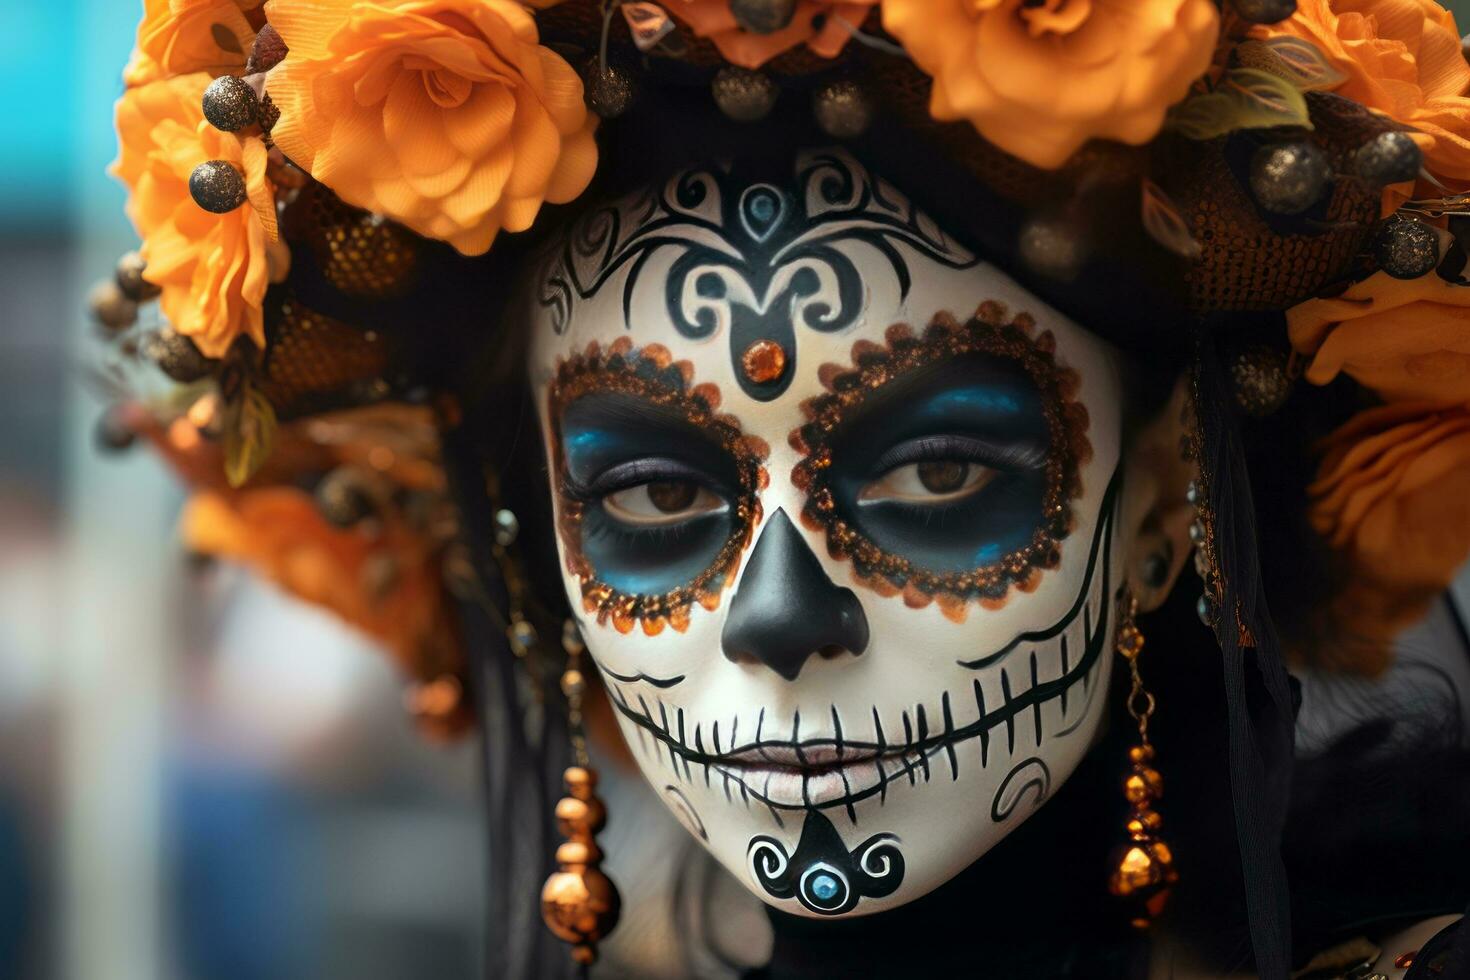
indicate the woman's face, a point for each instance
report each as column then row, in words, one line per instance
column 837, row 507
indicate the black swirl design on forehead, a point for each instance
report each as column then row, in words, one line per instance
column 750, row 259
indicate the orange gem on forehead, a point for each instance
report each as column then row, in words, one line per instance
column 763, row 362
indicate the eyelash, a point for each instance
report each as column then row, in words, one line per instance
column 969, row 449
column 636, row 472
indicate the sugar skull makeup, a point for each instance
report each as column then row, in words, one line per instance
column 836, row 506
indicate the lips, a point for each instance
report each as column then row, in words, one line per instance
column 823, row 755
column 794, row 775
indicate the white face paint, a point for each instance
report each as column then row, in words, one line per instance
column 856, row 621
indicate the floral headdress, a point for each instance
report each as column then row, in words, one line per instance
column 366, row 127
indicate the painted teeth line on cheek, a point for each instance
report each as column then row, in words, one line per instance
column 1020, row 692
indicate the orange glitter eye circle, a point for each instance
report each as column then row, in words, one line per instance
column 652, row 375
column 993, row 331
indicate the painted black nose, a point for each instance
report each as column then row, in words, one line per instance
column 787, row 609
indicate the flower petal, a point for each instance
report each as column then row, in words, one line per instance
column 449, row 116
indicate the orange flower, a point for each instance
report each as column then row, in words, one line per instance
column 178, row 37
column 1040, row 79
column 385, row 585
column 213, row 268
column 819, row 24
column 445, row 115
column 1403, row 338
column 1393, row 497
column 1402, row 58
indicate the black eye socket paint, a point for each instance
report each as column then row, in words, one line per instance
column 989, row 392
column 973, row 408
column 622, row 418
column 615, row 439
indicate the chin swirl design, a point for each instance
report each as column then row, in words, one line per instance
column 823, row 875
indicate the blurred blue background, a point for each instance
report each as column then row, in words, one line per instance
column 198, row 778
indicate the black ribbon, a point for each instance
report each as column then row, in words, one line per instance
column 1259, row 704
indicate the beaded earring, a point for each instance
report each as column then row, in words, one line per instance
column 1143, row 867
column 579, row 903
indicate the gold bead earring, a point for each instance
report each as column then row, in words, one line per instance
column 579, row 903
column 1143, row 866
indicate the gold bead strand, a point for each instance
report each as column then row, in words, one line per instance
column 579, row 903
column 1143, row 867
column 573, row 685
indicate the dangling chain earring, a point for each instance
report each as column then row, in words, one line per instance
column 1143, row 868
column 579, row 903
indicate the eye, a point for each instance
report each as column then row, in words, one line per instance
column 935, row 481
column 661, row 502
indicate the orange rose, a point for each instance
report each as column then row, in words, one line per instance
column 178, row 37
column 819, row 24
column 1402, row 58
column 213, row 268
column 1040, row 79
column 1393, row 497
column 445, row 115
column 278, row 532
column 1402, row 338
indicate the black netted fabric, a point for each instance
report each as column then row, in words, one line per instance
column 310, row 357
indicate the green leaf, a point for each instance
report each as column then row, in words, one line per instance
column 249, row 433
column 1270, row 96
column 1293, row 59
column 1246, row 98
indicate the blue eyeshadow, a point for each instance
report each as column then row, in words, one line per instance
column 985, row 399
column 987, row 553
column 589, row 448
